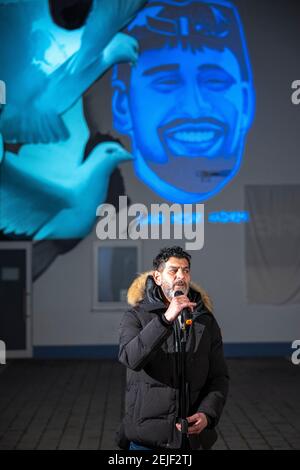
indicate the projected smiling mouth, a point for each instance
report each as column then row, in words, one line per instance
column 194, row 138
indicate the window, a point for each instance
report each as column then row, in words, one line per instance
column 116, row 265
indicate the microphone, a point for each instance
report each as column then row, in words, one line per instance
column 186, row 313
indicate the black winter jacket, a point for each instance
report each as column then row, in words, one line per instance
column 148, row 348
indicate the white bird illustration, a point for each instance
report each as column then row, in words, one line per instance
column 48, row 192
column 47, row 68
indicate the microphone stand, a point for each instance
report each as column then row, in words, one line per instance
column 186, row 324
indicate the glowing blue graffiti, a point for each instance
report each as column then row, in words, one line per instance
column 229, row 217
column 189, row 102
column 222, row 217
column 47, row 68
column 181, row 218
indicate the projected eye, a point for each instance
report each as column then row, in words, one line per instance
column 217, row 80
column 166, row 84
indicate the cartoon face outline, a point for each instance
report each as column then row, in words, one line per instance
column 187, row 109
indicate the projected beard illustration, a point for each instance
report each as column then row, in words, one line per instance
column 189, row 101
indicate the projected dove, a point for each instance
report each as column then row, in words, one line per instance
column 47, row 191
column 47, row 68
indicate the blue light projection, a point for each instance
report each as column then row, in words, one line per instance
column 181, row 218
column 222, row 217
column 47, row 68
column 229, row 217
column 188, row 103
column 47, row 191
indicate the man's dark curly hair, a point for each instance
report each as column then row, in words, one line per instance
column 168, row 252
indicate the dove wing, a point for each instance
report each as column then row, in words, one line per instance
column 104, row 21
column 27, row 202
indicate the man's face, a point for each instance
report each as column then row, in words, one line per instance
column 186, row 109
column 174, row 276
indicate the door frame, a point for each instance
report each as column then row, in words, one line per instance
column 27, row 246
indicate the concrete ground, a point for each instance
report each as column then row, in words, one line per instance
column 69, row 404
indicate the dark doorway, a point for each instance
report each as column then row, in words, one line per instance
column 15, row 294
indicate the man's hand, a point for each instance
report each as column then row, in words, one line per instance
column 198, row 423
column 176, row 305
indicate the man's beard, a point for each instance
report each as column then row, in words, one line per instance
column 169, row 290
column 200, row 175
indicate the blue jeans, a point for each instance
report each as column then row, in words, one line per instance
column 136, row 446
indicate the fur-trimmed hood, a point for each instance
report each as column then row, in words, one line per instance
column 136, row 291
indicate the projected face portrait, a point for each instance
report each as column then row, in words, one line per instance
column 189, row 102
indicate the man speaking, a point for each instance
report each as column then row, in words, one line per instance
column 151, row 342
